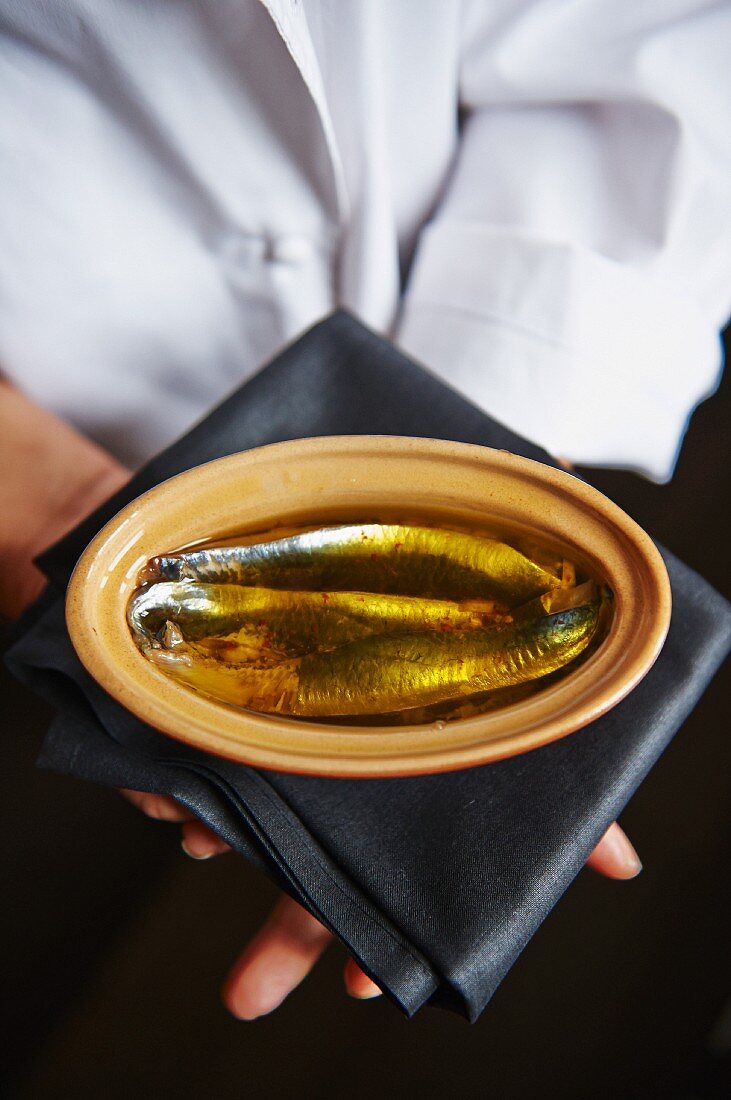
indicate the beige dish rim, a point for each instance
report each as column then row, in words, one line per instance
column 303, row 469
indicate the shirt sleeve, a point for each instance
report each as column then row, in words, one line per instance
column 577, row 270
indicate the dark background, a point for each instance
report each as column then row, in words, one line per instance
column 114, row 943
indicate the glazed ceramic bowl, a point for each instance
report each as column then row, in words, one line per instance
column 359, row 479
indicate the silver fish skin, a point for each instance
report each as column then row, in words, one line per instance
column 386, row 558
column 388, row 673
column 298, row 621
column 392, row 672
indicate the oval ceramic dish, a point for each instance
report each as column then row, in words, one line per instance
column 367, row 478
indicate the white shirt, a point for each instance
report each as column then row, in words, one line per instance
column 532, row 198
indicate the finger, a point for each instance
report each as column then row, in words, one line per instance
column 359, row 984
column 200, row 842
column 158, row 806
column 614, row 855
column 275, row 962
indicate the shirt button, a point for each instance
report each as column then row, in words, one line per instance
column 290, row 250
column 242, row 250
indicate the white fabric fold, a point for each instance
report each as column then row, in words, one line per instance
column 588, row 358
column 539, row 191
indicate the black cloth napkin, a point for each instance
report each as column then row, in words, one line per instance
column 435, row 883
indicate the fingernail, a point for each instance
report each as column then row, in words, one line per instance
column 166, row 813
column 366, row 994
column 624, row 848
column 194, row 855
column 361, row 987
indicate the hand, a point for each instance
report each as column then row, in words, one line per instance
column 52, row 478
column 57, row 478
column 291, row 941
